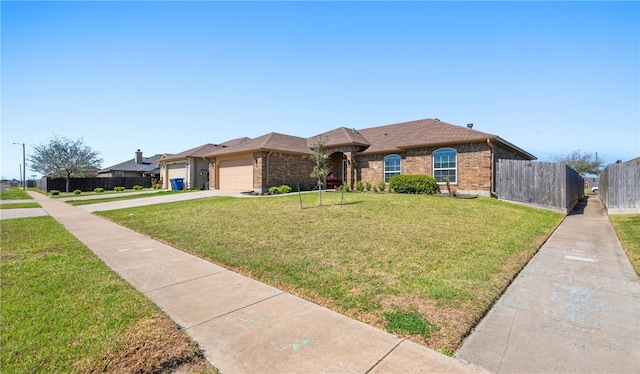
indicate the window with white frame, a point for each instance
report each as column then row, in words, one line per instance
column 445, row 163
column 391, row 167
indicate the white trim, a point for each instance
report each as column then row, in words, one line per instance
column 448, row 168
column 384, row 167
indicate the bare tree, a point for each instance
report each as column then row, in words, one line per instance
column 63, row 158
column 320, row 170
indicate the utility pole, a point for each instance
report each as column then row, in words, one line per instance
column 24, row 168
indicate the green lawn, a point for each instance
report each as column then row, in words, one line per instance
column 627, row 226
column 14, row 193
column 64, row 311
column 423, row 267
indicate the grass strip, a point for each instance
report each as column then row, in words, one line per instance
column 19, row 205
column 446, row 259
column 14, row 193
column 64, row 311
column 627, row 227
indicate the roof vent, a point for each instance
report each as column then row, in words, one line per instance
column 469, row 125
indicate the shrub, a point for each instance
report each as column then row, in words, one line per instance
column 138, row 188
column 279, row 189
column 77, row 192
column 98, row 190
column 157, row 186
column 375, row 189
column 382, row 186
column 418, row 184
column 368, row 186
column 119, row 188
column 284, row 189
column 54, row 192
column 359, row 186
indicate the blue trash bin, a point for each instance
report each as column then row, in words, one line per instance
column 179, row 184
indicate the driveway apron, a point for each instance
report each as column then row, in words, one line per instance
column 244, row 326
column 575, row 308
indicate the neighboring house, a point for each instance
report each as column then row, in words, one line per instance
column 190, row 165
column 139, row 166
column 464, row 156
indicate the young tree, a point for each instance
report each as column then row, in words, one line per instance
column 319, row 169
column 583, row 163
column 63, row 157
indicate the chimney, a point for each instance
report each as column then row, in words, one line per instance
column 138, row 157
column 469, row 125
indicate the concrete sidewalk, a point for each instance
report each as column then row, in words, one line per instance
column 144, row 201
column 22, row 213
column 575, row 308
column 242, row 325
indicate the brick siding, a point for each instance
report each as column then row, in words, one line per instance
column 275, row 169
column 474, row 164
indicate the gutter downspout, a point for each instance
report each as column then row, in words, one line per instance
column 492, row 177
column 268, row 154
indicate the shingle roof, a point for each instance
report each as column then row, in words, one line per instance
column 200, row 151
column 148, row 165
column 426, row 132
column 382, row 139
column 269, row 142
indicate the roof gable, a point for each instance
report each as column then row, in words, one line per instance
column 338, row 137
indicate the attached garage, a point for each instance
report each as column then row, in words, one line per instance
column 174, row 171
column 236, row 174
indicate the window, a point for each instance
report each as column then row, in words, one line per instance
column 391, row 167
column 444, row 165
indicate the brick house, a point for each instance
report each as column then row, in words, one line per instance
column 464, row 156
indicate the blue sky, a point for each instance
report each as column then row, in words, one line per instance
column 163, row 77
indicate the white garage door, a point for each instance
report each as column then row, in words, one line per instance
column 236, row 175
column 177, row 171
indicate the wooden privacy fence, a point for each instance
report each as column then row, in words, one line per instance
column 89, row 184
column 619, row 188
column 552, row 185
